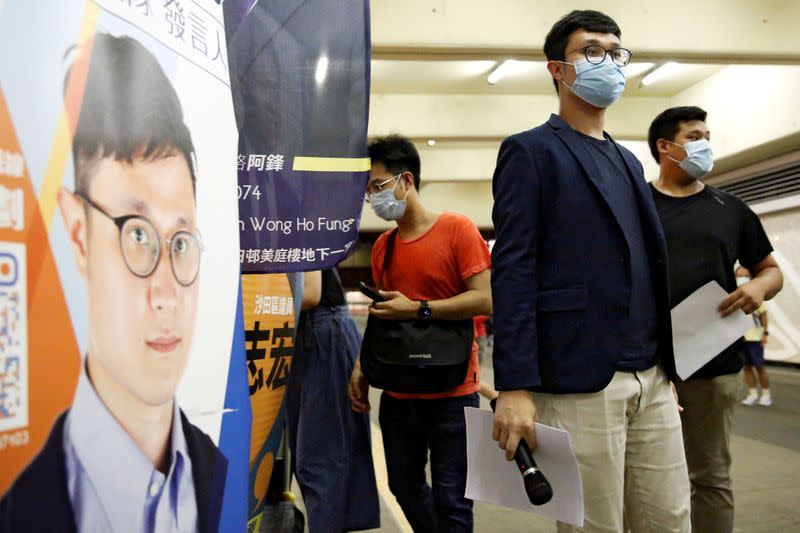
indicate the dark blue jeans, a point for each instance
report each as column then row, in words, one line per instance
column 410, row 429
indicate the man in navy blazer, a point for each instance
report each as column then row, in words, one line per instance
column 581, row 306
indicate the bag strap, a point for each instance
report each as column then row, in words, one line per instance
column 387, row 256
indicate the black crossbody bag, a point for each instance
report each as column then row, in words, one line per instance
column 415, row 356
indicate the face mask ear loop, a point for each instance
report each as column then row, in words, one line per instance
column 406, row 196
column 672, row 158
column 398, row 183
column 562, row 80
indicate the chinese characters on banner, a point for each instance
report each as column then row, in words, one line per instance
column 259, row 162
column 193, row 28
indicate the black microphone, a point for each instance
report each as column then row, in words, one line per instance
column 536, row 485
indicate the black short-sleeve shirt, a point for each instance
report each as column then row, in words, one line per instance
column 707, row 233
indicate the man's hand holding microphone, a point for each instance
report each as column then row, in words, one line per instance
column 514, row 430
column 514, row 418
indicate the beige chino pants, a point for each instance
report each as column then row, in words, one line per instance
column 628, row 442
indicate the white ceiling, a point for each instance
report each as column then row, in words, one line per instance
column 528, row 77
column 740, row 61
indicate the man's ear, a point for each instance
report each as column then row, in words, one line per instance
column 555, row 70
column 408, row 180
column 663, row 146
column 74, row 215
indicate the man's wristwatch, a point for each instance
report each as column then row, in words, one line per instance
column 424, row 312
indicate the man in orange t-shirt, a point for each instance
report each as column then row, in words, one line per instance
column 439, row 271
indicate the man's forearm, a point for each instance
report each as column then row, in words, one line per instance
column 465, row 305
column 771, row 279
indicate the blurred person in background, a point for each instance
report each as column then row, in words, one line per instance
column 756, row 340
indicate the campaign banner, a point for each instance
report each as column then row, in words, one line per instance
column 300, row 92
column 300, row 83
column 269, row 323
column 123, row 390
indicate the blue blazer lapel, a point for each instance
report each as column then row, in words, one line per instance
column 575, row 145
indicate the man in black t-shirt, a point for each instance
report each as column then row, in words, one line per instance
column 707, row 231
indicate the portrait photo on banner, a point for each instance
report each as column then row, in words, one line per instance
column 131, row 240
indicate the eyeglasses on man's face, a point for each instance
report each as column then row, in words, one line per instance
column 141, row 246
column 373, row 188
column 596, row 54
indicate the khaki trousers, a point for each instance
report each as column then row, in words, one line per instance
column 708, row 413
column 627, row 439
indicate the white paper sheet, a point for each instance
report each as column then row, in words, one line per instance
column 492, row 479
column 699, row 333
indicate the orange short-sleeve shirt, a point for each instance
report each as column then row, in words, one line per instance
column 434, row 266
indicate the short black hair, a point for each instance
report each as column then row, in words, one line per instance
column 555, row 44
column 129, row 110
column 668, row 123
column 398, row 154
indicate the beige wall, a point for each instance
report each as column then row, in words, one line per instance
column 783, row 229
column 748, row 105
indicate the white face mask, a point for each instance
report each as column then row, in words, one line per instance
column 386, row 206
column 699, row 158
column 601, row 85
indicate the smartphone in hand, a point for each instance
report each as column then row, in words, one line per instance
column 370, row 292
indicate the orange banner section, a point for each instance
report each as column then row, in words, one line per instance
column 38, row 349
column 269, row 324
